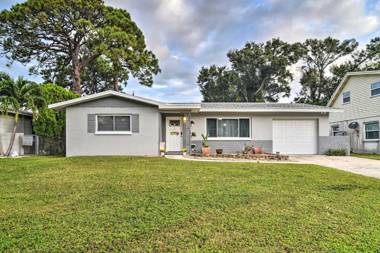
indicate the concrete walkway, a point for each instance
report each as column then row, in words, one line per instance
column 362, row 166
column 366, row 167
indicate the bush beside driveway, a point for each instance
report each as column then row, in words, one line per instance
column 156, row 204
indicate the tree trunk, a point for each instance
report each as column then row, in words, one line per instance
column 12, row 140
column 77, row 80
column 115, row 84
column 76, row 70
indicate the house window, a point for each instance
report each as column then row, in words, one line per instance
column 335, row 130
column 113, row 124
column 375, row 89
column 228, row 127
column 346, row 97
column 372, row 130
column 211, row 128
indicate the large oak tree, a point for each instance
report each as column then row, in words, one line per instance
column 61, row 38
column 318, row 57
column 259, row 72
column 360, row 60
column 219, row 84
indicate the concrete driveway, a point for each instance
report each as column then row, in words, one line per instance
column 366, row 167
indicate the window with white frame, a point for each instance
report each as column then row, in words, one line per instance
column 228, row 127
column 335, row 130
column 346, row 97
column 113, row 123
column 372, row 130
column 375, row 89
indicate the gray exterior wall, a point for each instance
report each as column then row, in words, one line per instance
column 79, row 142
column 357, row 137
column 333, row 142
column 362, row 108
column 235, row 146
column 261, row 129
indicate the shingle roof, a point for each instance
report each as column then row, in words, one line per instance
column 202, row 107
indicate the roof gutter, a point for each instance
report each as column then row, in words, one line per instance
column 272, row 110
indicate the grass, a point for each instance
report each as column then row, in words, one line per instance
column 155, row 204
column 367, row 156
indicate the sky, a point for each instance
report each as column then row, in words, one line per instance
column 188, row 34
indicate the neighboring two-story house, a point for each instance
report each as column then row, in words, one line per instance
column 359, row 96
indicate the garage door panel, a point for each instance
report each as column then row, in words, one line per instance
column 295, row 136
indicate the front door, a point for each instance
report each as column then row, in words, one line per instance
column 173, row 134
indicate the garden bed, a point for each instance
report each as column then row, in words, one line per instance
column 266, row 156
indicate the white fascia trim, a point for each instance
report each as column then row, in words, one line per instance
column 25, row 113
column 176, row 106
column 273, row 110
column 103, row 94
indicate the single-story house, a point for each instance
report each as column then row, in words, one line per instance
column 358, row 95
column 113, row 123
column 24, row 138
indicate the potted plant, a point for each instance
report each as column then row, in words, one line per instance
column 184, row 151
column 205, row 146
column 258, row 150
column 219, row 151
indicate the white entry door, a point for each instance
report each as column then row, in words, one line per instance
column 295, row 136
column 173, row 134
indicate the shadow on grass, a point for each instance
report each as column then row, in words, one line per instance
column 346, row 187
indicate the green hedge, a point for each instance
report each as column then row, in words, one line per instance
column 336, row 152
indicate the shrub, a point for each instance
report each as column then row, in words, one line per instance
column 50, row 124
column 336, row 152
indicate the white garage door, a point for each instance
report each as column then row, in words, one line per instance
column 295, row 136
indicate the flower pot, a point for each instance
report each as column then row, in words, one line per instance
column 184, row 153
column 219, row 151
column 258, row 150
column 162, row 153
column 206, row 151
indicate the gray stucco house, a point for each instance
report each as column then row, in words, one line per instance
column 358, row 95
column 113, row 123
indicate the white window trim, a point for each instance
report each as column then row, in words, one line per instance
column 345, row 103
column 372, row 96
column 113, row 132
column 229, row 138
column 364, row 132
column 333, row 131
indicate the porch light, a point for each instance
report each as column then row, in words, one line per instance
column 184, row 118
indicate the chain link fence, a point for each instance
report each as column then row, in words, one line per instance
column 49, row 146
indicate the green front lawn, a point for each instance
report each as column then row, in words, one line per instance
column 367, row 156
column 155, row 204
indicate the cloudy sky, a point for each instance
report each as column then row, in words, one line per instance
column 188, row 34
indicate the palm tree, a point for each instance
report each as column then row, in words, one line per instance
column 18, row 95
